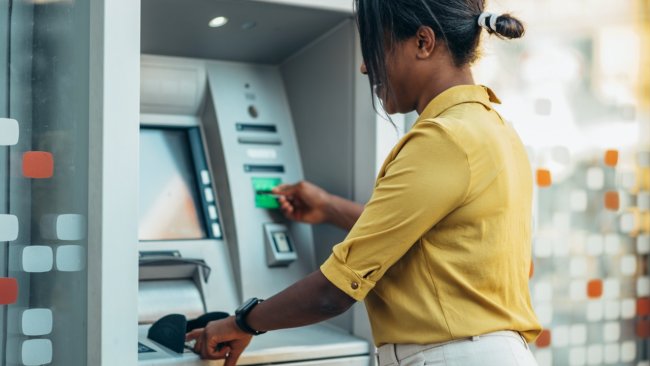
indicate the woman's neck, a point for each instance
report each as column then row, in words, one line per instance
column 441, row 81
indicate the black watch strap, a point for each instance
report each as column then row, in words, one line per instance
column 242, row 312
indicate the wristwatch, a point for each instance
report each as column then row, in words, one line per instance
column 242, row 312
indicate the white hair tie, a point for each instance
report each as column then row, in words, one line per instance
column 482, row 21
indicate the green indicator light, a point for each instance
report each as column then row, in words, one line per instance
column 263, row 196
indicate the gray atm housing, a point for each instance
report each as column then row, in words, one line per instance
column 262, row 114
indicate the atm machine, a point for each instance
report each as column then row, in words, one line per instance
column 216, row 137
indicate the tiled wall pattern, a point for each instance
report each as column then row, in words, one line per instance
column 43, row 213
column 28, row 332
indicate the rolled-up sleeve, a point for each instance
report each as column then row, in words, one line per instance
column 425, row 178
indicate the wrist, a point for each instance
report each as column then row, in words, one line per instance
column 242, row 313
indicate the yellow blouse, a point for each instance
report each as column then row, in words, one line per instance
column 443, row 249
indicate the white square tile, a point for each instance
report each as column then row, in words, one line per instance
column 612, row 354
column 643, row 201
column 63, row 227
column 561, row 248
column 9, row 132
column 578, row 290
column 8, row 228
column 37, row 259
column 578, row 267
column 612, row 332
column 544, row 313
column 595, row 179
column 628, row 351
column 643, row 244
column 36, row 322
column 612, row 309
column 544, row 357
column 628, row 308
column 543, row 247
column 643, row 286
column 562, row 221
column 578, row 240
column 595, row 310
column 543, row 292
column 595, row 245
column 36, row 352
column 561, row 154
column 612, row 244
column 578, row 200
column 578, row 334
column 628, row 265
column 560, row 336
column 611, row 288
column 595, row 354
column 70, row 258
column 626, row 179
column 578, row 356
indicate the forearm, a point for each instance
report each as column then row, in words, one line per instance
column 308, row 301
column 342, row 212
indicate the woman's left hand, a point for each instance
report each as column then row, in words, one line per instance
column 221, row 339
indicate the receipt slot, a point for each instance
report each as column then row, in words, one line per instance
column 279, row 250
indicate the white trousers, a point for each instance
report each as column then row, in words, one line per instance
column 504, row 348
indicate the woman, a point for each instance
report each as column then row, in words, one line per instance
column 441, row 253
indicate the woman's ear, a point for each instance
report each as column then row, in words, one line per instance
column 426, row 40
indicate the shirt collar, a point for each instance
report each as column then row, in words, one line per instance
column 459, row 95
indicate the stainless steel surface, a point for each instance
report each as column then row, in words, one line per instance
column 180, row 28
column 159, row 298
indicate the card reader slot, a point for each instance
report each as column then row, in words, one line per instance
column 249, row 127
column 249, row 168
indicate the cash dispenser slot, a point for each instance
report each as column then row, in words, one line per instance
column 170, row 284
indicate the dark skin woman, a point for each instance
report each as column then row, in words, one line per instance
column 414, row 51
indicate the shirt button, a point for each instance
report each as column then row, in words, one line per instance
column 354, row 285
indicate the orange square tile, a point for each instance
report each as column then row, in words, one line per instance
column 643, row 328
column 8, row 291
column 643, row 306
column 595, row 289
column 611, row 158
column 612, row 201
column 38, row 165
column 544, row 339
column 544, row 178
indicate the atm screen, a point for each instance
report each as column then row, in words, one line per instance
column 170, row 208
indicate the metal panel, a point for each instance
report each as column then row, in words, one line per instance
column 258, row 32
column 113, row 184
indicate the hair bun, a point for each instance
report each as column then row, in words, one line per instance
column 505, row 25
column 509, row 27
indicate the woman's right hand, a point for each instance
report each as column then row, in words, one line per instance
column 304, row 202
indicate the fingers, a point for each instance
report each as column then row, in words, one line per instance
column 285, row 189
column 193, row 335
column 231, row 359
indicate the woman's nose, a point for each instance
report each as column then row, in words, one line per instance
column 363, row 68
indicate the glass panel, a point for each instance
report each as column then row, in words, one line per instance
column 575, row 88
column 48, row 182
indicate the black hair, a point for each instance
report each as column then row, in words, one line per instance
column 455, row 22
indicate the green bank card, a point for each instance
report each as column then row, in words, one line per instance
column 264, row 198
